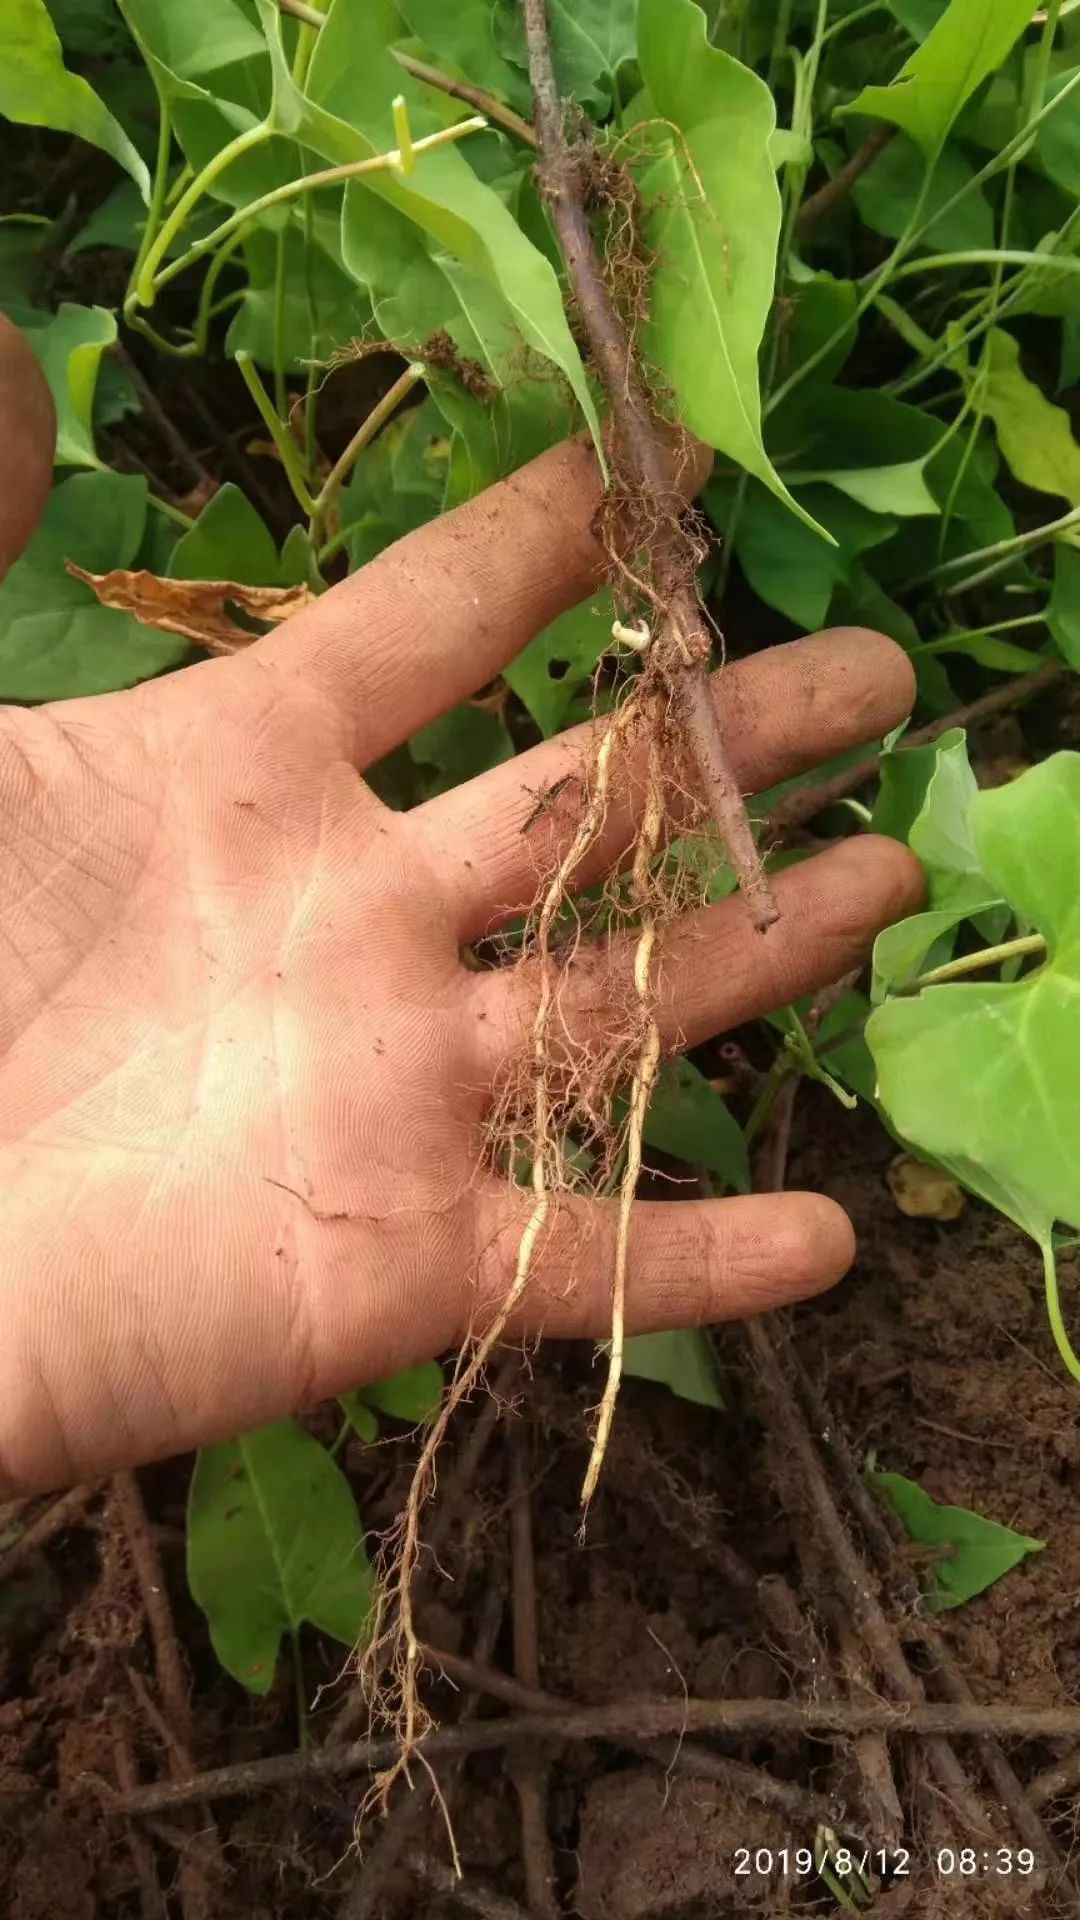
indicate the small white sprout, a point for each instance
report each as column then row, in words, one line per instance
column 639, row 636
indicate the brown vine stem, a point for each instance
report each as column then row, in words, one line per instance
column 802, row 803
column 486, row 103
column 816, row 205
column 683, row 646
column 644, row 1719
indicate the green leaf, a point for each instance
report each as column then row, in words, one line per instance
column 981, row 1076
column 90, row 27
column 413, row 1395
column 905, row 775
column 56, row 639
column 975, row 1552
column 904, row 951
column 1035, row 437
column 788, row 565
column 274, row 1540
column 341, row 313
column 210, row 64
column 360, row 1416
column 1063, row 609
column 920, row 17
column 887, row 193
column 229, row 541
column 552, row 667
column 1057, row 142
column 871, row 447
column 354, row 76
column 68, row 346
column 200, row 38
column 681, row 1360
column 397, row 485
column 965, row 46
column 690, row 1120
column 819, row 309
column 590, row 40
column 942, row 833
column 464, row 36
column 117, row 222
column 417, row 289
column 712, row 226
column 459, row 744
column 36, row 89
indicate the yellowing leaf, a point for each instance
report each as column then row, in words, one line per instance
column 197, row 609
column 969, row 41
column 1035, row 437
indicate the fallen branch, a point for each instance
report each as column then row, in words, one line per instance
column 63, row 1513
column 803, row 803
column 627, row 1719
column 884, row 1539
column 530, row 1770
column 469, row 1894
column 677, row 1755
column 154, row 1595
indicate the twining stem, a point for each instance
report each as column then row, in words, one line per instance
column 307, row 183
column 145, row 284
column 1053, row 1311
column 364, row 435
column 913, row 231
column 999, row 554
column 950, row 642
column 978, row 962
column 683, row 646
column 287, row 450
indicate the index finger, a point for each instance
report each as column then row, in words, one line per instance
column 442, row 611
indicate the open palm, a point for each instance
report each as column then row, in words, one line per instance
column 243, row 1069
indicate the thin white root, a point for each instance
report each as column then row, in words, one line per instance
column 645, row 1072
column 403, row 1641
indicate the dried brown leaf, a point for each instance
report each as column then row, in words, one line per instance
column 195, row 609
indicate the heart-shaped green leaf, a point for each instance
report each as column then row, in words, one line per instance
column 274, row 1539
column 973, row 1552
column 983, row 1076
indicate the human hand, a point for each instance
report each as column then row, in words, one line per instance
column 243, row 1070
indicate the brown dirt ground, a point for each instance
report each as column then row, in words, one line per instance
column 934, row 1352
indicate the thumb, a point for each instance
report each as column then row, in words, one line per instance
column 27, row 440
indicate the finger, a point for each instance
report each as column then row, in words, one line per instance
column 442, row 611
column 782, row 712
column 715, row 969
column 27, row 440
column 689, row 1261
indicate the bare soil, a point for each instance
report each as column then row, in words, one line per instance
column 934, row 1352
